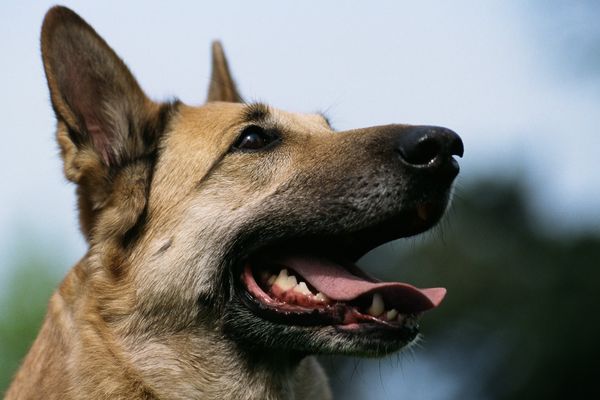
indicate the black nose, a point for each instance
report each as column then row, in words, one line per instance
column 430, row 147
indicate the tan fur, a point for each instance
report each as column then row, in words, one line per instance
column 164, row 199
column 95, row 342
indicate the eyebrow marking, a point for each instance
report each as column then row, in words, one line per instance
column 253, row 113
column 256, row 112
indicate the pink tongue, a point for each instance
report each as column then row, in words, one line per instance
column 338, row 284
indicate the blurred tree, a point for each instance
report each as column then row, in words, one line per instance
column 22, row 309
column 531, row 294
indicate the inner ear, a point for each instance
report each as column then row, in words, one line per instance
column 92, row 90
column 222, row 86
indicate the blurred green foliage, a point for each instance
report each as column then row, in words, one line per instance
column 522, row 302
column 524, row 296
column 536, row 292
column 22, row 309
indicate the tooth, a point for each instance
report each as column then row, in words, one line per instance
column 391, row 315
column 302, row 288
column 377, row 306
column 272, row 279
column 321, row 297
column 283, row 280
column 291, row 281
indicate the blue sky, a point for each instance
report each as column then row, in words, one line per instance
column 493, row 71
column 509, row 76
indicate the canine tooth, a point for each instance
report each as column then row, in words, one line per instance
column 377, row 306
column 302, row 288
column 321, row 297
column 272, row 279
column 391, row 314
column 283, row 280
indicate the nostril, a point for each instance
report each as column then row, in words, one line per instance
column 428, row 145
column 456, row 147
column 422, row 152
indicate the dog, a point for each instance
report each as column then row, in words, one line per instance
column 222, row 238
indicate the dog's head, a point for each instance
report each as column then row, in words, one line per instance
column 239, row 218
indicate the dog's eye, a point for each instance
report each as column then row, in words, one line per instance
column 254, row 138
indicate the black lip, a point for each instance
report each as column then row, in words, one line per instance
column 333, row 316
column 381, row 332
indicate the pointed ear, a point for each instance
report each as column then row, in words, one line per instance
column 92, row 90
column 222, row 87
column 107, row 128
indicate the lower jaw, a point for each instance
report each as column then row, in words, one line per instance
column 261, row 335
column 396, row 335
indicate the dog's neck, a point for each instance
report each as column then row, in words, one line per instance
column 192, row 363
column 205, row 364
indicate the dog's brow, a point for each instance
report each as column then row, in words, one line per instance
column 255, row 112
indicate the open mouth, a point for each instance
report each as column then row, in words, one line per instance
column 314, row 288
